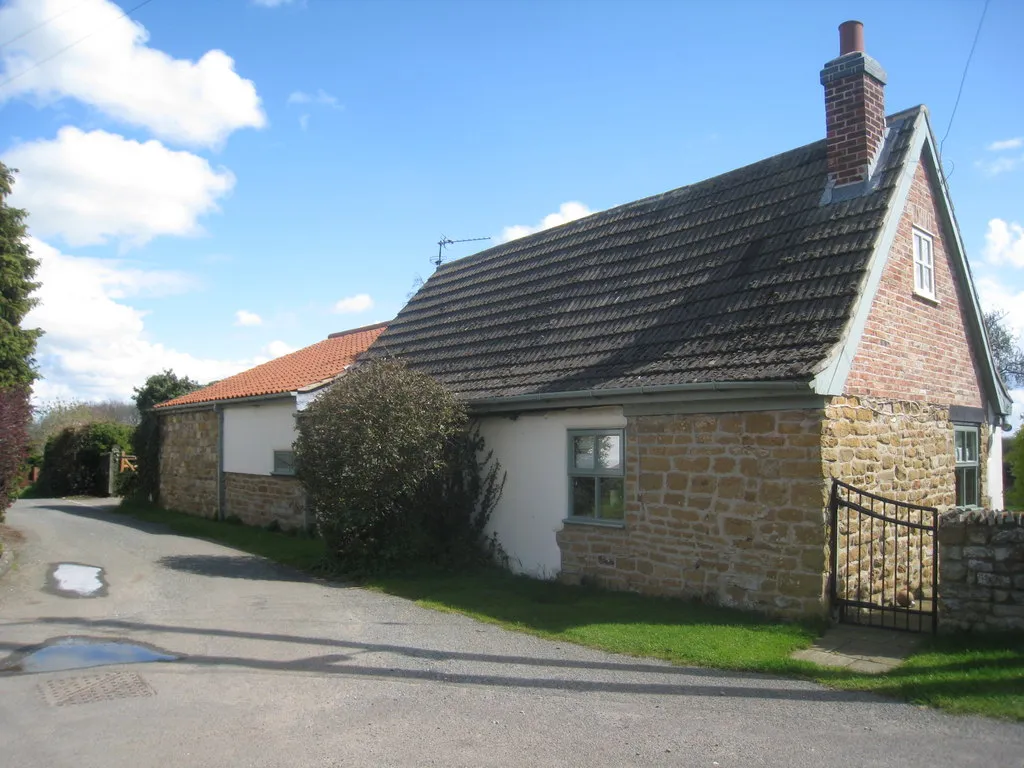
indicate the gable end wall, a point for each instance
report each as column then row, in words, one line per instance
column 913, row 349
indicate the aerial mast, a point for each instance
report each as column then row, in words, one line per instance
column 445, row 241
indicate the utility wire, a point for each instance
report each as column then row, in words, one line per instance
column 963, row 79
column 68, row 47
column 43, row 23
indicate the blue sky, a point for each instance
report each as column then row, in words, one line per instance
column 298, row 161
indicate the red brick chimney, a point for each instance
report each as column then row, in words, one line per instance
column 854, row 107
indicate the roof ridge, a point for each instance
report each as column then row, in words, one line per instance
column 371, row 327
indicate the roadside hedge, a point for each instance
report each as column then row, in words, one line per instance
column 73, row 461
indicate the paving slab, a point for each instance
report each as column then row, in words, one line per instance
column 871, row 650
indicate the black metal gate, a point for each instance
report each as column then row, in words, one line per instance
column 884, row 560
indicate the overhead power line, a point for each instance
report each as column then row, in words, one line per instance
column 963, row 78
column 68, row 47
column 42, row 23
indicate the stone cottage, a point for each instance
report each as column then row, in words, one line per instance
column 226, row 449
column 671, row 384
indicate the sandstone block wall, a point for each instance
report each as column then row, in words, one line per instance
column 725, row 507
column 981, row 571
column 898, row 449
column 188, row 462
column 262, row 499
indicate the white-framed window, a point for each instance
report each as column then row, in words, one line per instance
column 968, row 476
column 597, row 474
column 924, row 265
column 284, row 463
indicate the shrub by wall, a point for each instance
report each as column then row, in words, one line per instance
column 392, row 474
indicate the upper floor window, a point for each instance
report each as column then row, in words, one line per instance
column 596, row 474
column 924, row 265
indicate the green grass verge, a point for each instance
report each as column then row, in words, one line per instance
column 966, row 674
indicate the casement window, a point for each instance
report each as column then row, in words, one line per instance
column 924, row 265
column 596, row 474
column 284, row 463
column 968, row 476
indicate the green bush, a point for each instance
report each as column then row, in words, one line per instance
column 73, row 460
column 159, row 388
column 1013, row 492
column 394, row 477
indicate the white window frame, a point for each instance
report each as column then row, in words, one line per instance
column 598, row 475
column 924, row 264
column 964, row 463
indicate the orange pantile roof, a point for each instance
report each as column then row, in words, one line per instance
column 309, row 365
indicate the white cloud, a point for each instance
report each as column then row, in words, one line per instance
column 104, row 62
column 90, row 187
column 96, row 345
column 244, row 317
column 1004, row 243
column 1000, row 165
column 353, row 304
column 321, row 97
column 996, row 296
column 272, row 3
column 278, row 348
column 999, row 146
column 566, row 212
column 304, row 121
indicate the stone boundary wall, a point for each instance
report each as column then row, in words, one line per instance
column 725, row 507
column 263, row 499
column 188, row 462
column 981, row 571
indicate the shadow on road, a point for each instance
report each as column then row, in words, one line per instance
column 107, row 514
column 233, row 567
column 712, row 682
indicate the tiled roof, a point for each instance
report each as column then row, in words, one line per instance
column 309, row 365
column 742, row 277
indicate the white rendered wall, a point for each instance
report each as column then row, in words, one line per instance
column 252, row 432
column 994, row 470
column 532, row 449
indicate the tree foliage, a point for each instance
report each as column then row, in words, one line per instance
column 73, row 461
column 14, row 417
column 17, row 344
column 392, row 472
column 159, row 388
column 17, row 268
column 53, row 416
column 1006, row 351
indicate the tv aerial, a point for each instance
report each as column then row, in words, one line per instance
column 445, row 241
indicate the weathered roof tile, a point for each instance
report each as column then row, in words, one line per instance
column 742, row 277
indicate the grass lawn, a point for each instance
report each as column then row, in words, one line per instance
column 962, row 674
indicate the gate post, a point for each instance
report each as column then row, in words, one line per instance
column 833, row 546
column 113, row 469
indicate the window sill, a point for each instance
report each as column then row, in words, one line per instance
column 930, row 298
column 282, row 474
column 596, row 521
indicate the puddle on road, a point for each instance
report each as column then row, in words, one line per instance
column 65, row 653
column 76, row 580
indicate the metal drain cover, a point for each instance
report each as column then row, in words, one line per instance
column 87, row 689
